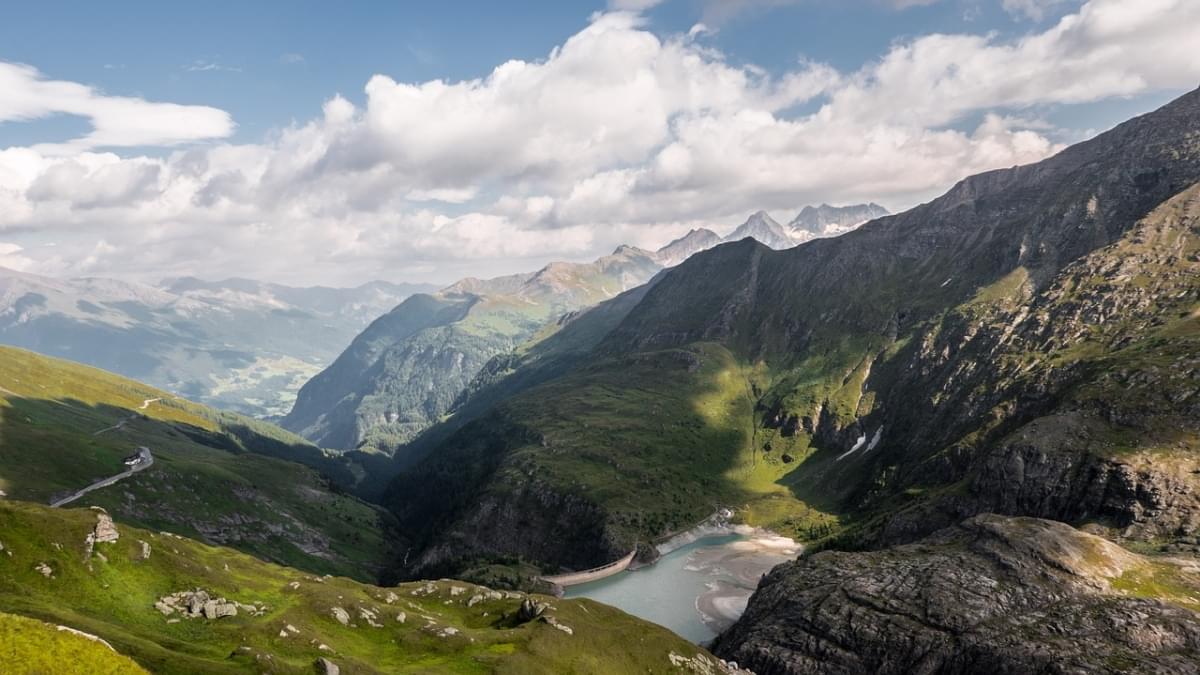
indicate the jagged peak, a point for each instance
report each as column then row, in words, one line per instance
column 628, row 250
column 692, row 235
column 761, row 216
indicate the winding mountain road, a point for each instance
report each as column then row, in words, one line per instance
column 145, row 459
column 128, row 418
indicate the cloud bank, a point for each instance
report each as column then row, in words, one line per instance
column 618, row 135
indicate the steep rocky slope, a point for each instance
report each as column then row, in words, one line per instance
column 1024, row 344
column 991, row 594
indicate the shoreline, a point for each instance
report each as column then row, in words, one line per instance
column 736, row 567
column 701, row 581
column 736, row 570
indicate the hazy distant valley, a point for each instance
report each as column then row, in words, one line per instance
column 240, row 345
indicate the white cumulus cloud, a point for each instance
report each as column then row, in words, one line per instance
column 117, row 121
column 619, row 135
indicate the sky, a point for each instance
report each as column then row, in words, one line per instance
column 337, row 143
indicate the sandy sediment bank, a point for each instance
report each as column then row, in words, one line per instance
column 736, row 569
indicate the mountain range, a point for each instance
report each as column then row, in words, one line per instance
column 237, row 344
column 924, row 394
column 981, row 416
column 407, row 369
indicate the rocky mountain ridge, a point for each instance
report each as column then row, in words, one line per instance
column 695, row 241
column 830, row 221
column 1025, row 344
column 764, row 229
column 379, row 398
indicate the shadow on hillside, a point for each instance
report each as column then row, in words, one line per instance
column 51, row 448
column 575, row 472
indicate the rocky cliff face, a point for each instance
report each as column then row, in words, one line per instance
column 1088, row 407
column 1067, row 388
column 991, row 594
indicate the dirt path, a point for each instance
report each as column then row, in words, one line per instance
column 128, row 418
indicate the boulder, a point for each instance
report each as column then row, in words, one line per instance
column 561, row 626
column 215, row 609
column 326, row 667
column 530, row 610
column 105, row 531
column 199, row 603
column 196, row 601
column 342, row 616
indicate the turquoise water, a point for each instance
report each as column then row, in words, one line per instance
column 696, row 590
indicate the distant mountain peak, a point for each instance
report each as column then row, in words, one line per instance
column 765, row 229
column 696, row 240
column 830, row 221
column 627, row 250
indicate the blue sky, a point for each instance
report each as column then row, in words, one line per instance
column 195, row 133
column 269, row 63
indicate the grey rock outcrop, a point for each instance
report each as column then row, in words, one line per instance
column 200, row 603
column 530, row 609
column 992, row 594
column 326, row 667
column 105, row 530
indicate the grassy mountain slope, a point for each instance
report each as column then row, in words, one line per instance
column 64, row 426
column 405, row 371
column 31, row 647
column 286, row 616
column 869, row 380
